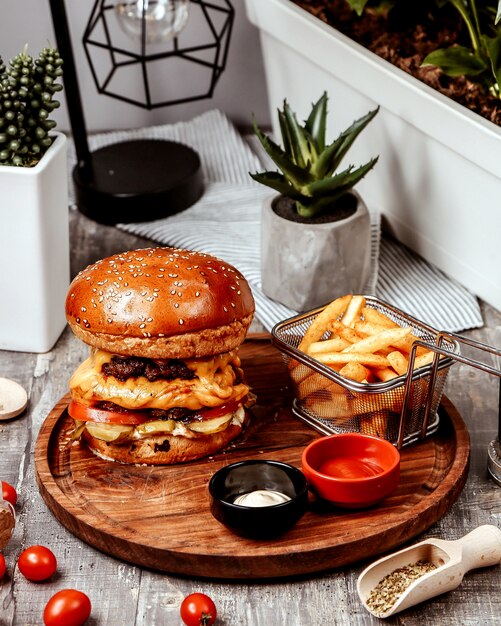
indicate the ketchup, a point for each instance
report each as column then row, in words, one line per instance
column 349, row 467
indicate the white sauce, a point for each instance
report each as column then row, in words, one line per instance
column 261, row 497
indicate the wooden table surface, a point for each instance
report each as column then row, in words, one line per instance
column 125, row 595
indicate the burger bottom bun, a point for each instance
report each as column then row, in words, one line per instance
column 185, row 346
column 163, row 449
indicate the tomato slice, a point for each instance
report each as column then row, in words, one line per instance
column 218, row 411
column 84, row 413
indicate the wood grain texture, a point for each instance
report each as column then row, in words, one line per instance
column 122, row 593
column 159, row 517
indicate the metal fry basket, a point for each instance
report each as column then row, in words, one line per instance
column 331, row 403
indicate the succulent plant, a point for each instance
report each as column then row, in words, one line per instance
column 308, row 167
column 27, row 89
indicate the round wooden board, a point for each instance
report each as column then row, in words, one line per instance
column 158, row 517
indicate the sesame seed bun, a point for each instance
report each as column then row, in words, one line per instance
column 160, row 303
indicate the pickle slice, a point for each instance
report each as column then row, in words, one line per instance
column 211, row 426
column 156, row 427
column 109, row 432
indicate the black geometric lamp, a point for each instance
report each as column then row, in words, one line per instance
column 149, row 53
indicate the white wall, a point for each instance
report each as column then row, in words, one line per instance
column 241, row 89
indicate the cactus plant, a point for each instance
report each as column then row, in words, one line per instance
column 308, row 167
column 27, row 89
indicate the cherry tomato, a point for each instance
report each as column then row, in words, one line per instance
column 197, row 609
column 84, row 413
column 37, row 563
column 9, row 493
column 3, row 569
column 67, row 607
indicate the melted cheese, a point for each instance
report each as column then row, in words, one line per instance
column 212, row 386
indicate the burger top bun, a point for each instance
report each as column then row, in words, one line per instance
column 160, row 303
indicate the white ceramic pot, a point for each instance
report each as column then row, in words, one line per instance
column 307, row 265
column 438, row 177
column 34, row 251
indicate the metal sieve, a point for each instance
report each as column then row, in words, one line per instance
column 331, row 403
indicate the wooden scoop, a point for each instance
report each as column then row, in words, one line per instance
column 479, row 548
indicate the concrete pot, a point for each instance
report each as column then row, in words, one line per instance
column 439, row 173
column 34, row 252
column 304, row 266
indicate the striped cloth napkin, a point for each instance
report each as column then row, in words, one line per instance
column 225, row 222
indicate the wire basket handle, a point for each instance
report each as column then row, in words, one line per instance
column 439, row 350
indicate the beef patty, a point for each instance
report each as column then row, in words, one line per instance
column 123, row 368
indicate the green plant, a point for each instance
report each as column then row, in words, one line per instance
column 307, row 165
column 481, row 61
column 27, row 89
column 360, row 5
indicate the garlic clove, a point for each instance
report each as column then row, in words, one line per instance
column 13, row 399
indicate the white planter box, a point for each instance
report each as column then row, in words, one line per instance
column 34, row 252
column 438, row 179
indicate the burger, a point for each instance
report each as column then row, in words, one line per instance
column 163, row 383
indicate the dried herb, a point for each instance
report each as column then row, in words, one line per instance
column 391, row 587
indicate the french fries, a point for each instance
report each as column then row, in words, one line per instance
column 379, row 341
column 361, row 343
column 345, row 332
column 376, row 317
column 404, row 344
column 355, row 371
column 398, row 362
column 319, row 325
column 353, row 310
column 364, row 358
column 330, row 345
